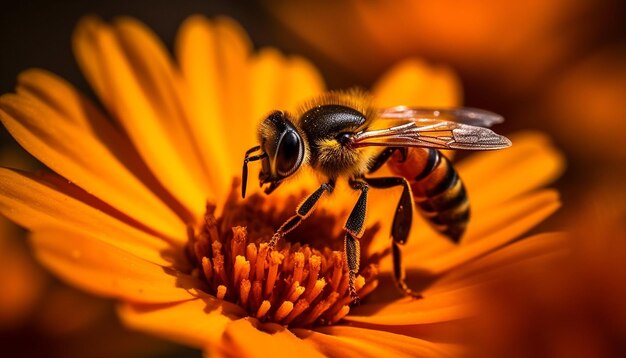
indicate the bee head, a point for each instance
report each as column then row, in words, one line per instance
column 282, row 150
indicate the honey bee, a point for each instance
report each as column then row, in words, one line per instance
column 341, row 135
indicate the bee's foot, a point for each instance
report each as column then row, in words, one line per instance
column 407, row 291
column 355, row 297
column 275, row 238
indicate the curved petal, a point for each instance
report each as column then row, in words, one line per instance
column 106, row 270
column 494, row 177
column 525, row 255
column 244, row 338
column 451, row 296
column 38, row 203
column 222, row 74
column 195, row 323
column 213, row 57
column 163, row 86
column 436, row 308
column 120, row 77
column 342, row 341
column 485, row 234
column 66, row 132
column 414, row 83
column 302, row 82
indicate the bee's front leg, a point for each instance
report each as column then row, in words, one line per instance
column 354, row 231
column 302, row 212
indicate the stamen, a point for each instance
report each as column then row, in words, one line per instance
column 275, row 259
column 265, row 307
column 296, row 285
column 283, row 311
column 317, row 288
column 300, row 306
column 242, row 270
column 244, row 292
column 221, row 292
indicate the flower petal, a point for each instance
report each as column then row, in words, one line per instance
column 106, row 270
column 487, row 233
column 532, row 252
column 302, row 81
column 343, row 341
column 67, row 133
column 436, row 308
column 195, row 322
column 47, row 202
column 414, row 83
column 450, row 297
column 162, row 84
column 222, row 74
column 120, row 78
column 244, row 338
column 494, row 177
column 213, row 57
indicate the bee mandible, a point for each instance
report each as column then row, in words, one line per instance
column 341, row 135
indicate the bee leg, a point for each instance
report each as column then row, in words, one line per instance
column 400, row 228
column 302, row 212
column 354, row 231
column 384, row 156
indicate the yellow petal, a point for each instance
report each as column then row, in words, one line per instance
column 414, row 83
column 194, row 323
column 103, row 269
column 266, row 81
column 223, row 75
column 121, row 85
column 233, row 48
column 451, row 297
column 244, row 338
column 85, row 47
column 489, row 233
column 436, row 308
column 213, row 56
column 495, row 177
column 342, row 341
column 524, row 255
column 162, row 85
column 68, row 134
column 303, row 81
column 280, row 82
column 46, row 202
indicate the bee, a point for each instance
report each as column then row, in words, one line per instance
column 340, row 135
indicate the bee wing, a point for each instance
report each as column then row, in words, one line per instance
column 431, row 130
column 471, row 116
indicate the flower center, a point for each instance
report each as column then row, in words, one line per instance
column 303, row 282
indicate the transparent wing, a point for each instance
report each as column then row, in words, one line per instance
column 416, row 127
column 465, row 115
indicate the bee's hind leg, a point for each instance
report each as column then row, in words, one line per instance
column 302, row 212
column 402, row 220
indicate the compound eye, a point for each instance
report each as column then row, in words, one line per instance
column 289, row 155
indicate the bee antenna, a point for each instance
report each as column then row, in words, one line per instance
column 246, row 159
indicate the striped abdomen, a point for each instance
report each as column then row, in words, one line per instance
column 437, row 190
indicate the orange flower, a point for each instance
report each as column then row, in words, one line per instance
column 142, row 208
column 514, row 46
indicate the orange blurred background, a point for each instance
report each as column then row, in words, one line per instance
column 557, row 66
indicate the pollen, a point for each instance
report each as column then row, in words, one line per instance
column 303, row 282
